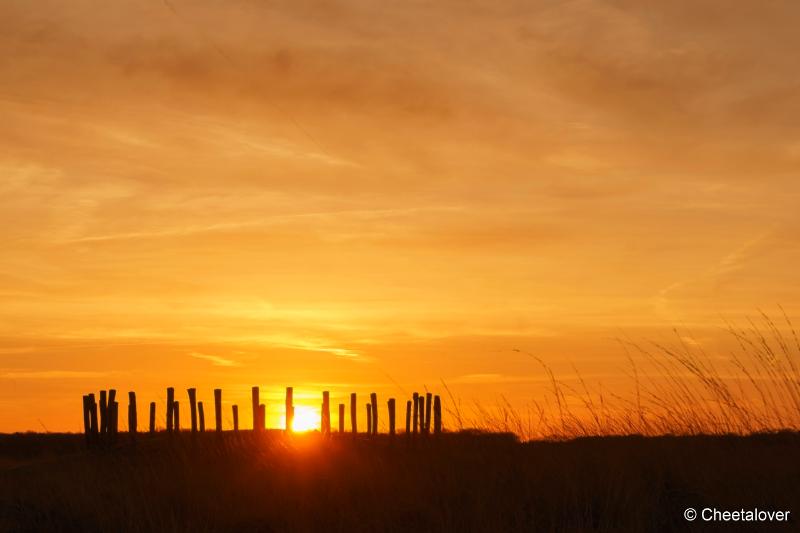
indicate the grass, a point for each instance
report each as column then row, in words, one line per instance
column 673, row 389
column 458, row 482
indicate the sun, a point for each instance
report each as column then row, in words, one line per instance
column 305, row 419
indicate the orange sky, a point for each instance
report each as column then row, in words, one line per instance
column 382, row 195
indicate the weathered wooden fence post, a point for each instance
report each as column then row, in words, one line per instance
column 193, row 407
column 170, row 406
column 256, row 404
column 112, row 414
column 114, row 419
column 369, row 419
column 202, row 417
column 87, row 422
column 373, row 398
column 218, row 409
column 391, row 416
column 132, row 418
column 416, row 411
column 408, row 417
column 152, row 417
column 353, row 413
column 341, row 418
column 262, row 417
column 421, row 410
column 93, row 418
column 176, row 416
column 437, row 414
column 428, row 406
column 103, row 412
column 326, row 413
column 235, row 409
column 289, row 412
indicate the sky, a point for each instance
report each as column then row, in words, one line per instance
column 353, row 196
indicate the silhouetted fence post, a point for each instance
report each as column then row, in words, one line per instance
column 103, row 412
column 256, row 405
column 391, row 416
column 421, row 412
column 326, row 413
column 176, row 416
column 170, row 407
column 289, row 411
column 94, row 428
column 428, row 406
column 132, row 419
column 437, row 415
column 262, row 417
column 193, row 408
column 341, row 418
column 373, row 398
column 113, row 414
column 235, row 409
column 369, row 419
column 408, row 417
column 353, row 413
column 87, row 422
column 218, row 409
column 202, row 417
column 416, row 411
column 152, row 417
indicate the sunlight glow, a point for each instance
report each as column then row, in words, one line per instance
column 305, row 419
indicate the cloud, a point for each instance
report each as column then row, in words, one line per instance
column 51, row 374
column 215, row 359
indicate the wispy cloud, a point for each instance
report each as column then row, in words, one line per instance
column 215, row 360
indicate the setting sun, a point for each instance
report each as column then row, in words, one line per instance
column 305, row 419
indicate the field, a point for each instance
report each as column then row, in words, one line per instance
column 453, row 482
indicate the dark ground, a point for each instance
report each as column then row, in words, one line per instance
column 458, row 482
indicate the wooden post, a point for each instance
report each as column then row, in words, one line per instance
column 218, row 409
column 202, row 417
column 103, row 412
column 373, row 398
column 176, row 416
column 369, row 419
column 262, row 417
column 416, row 411
column 113, row 419
column 421, row 411
column 428, row 406
column 132, row 418
column 256, row 405
column 152, row 417
column 341, row 418
column 326, row 413
column 437, row 414
column 353, row 413
column 235, row 409
column 193, row 408
column 87, row 422
column 408, row 417
column 170, row 405
column 93, row 417
column 391, row 416
column 289, row 414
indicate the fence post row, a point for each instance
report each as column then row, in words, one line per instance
column 422, row 411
